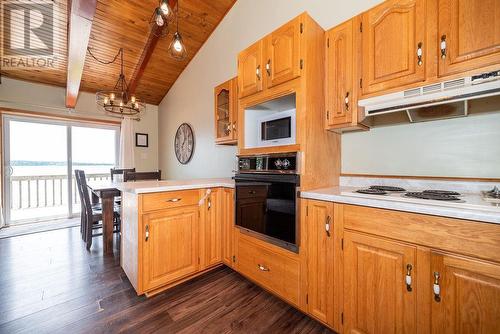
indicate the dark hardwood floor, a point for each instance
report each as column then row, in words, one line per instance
column 49, row 283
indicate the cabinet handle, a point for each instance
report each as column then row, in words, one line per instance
column 234, row 126
column 257, row 72
column 327, row 225
column 436, row 287
column 268, row 67
column 147, row 232
column 228, row 128
column 173, row 200
column 443, row 47
column 209, row 203
column 409, row 268
column 262, row 268
column 419, row 54
column 346, row 101
column 252, row 192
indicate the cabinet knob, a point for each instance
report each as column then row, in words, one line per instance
column 436, row 288
column 268, row 67
column 409, row 268
column 443, row 47
column 419, row 54
column 262, row 268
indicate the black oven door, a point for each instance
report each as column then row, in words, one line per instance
column 267, row 204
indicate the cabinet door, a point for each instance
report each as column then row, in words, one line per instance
column 282, row 61
column 392, row 33
column 223, row 122
column 376, row 296
column 320, row 260
column 469, row 295
column 228, row 226
column 469, row 35
column 250, row 70
column 340, row 98
column 212, row 229
column 170, row 249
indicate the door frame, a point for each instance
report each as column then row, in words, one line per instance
column 5, row 156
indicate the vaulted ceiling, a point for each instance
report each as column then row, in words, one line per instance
column 126, row 24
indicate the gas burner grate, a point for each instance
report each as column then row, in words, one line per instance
column 371, row 191
column 433, row 196
column 441, row 192
column 387, row 188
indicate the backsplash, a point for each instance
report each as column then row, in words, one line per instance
column 461, row 147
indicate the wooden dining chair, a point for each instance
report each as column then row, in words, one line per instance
column 141, row 176
column 120, row 171
column 91, row 214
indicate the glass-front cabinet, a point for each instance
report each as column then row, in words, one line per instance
column 226, row 109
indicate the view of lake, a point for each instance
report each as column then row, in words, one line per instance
column 58, row 170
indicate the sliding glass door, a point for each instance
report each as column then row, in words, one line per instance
column 40, row 157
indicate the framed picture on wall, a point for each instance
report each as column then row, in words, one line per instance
column 141, row 139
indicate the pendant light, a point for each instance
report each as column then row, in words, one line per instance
column 177, row 49
column 165, row 8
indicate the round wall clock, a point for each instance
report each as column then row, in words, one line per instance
column 184, row 143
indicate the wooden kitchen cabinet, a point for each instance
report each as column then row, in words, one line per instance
column 228, row 226
column 341, row 98
column 377, row 298
column 469, row 295
column 170, row 248
column 393, row 35
column 283, row 53
column 226, row 112
column 250, row 69
column 212, row 228
column 320, row 260
column 469, row 37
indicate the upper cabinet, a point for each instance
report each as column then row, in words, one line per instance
column 283, row 53
column 393, row 45
column 469, row 35
column 341, row 102
column 273, row 60
column 250, row 69
column 226, row 112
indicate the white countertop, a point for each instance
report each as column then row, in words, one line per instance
column 141, row 187
column 474, row 207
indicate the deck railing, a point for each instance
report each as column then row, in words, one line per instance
column 44, row 191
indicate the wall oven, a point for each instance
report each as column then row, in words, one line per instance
column 266, row 198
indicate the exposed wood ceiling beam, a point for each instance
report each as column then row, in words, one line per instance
column 153, row 37
column 81, row 15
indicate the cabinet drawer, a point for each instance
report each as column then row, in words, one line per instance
column 253, row 191
column 275, row 272
column 167, row 200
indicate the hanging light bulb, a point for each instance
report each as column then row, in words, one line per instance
column 132, row 99
column 177, row 49
column 165, row 9
column 112, row 97
column 159, row 18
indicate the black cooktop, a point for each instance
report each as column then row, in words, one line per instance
column 388, row 188
column 432, row 195
column 371, row 191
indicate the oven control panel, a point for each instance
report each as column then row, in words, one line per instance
column 270, row 163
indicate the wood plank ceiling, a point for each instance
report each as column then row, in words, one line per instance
column 119, row 23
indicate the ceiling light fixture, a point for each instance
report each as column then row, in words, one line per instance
column 177, row 49
column 117, row 102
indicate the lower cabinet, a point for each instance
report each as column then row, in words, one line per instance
column 276, row 269
column 320, row 260
column 228, row 226
column 379, row 285
column 465, row 295
column 170, row 248
column 211, row 228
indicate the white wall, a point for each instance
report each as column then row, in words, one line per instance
column 460, row 147
column 18, row 94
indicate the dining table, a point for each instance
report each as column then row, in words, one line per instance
column 105, row 191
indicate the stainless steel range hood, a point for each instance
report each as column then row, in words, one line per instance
column 442, row 100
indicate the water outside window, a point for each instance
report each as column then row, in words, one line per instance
column 40, row 158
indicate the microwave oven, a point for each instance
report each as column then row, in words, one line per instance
column 277, row 129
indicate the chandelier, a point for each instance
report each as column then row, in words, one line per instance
column 118, row 102
column 162, row 15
